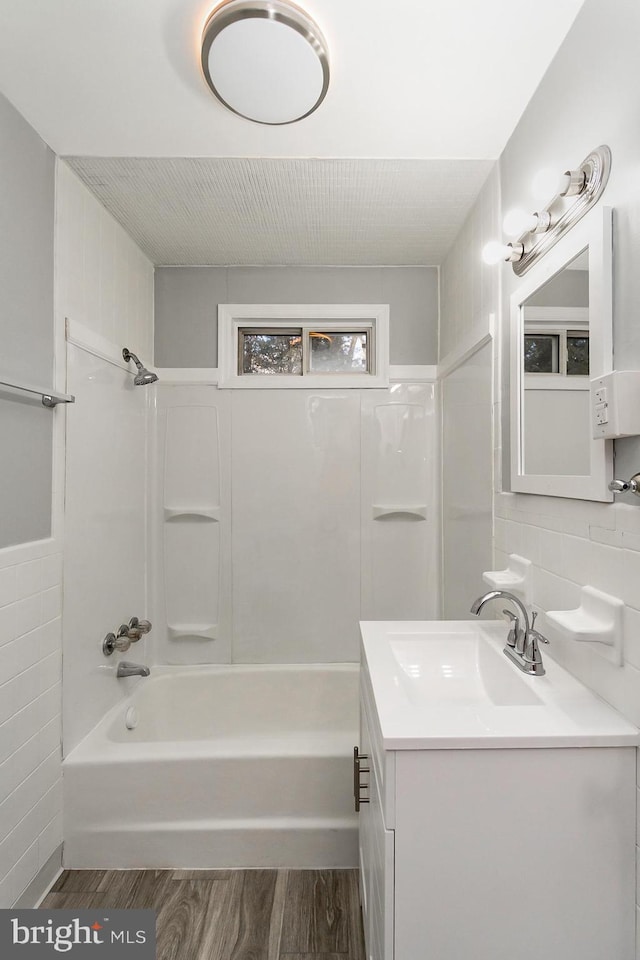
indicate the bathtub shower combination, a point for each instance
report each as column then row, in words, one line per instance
column 219, row 766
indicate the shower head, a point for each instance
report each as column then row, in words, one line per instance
column 143, row 376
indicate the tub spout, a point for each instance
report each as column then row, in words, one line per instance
column 127, row 669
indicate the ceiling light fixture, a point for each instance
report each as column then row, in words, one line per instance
column 266, row 60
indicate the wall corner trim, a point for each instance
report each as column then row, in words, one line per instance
column 480, row 334
column 82, row 336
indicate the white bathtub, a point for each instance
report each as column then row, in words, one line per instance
column 228, row 766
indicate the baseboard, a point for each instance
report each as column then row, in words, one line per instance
column 39, row 887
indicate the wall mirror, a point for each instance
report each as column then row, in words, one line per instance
column 561, row 337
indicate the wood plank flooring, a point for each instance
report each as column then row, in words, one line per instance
column 230, row 914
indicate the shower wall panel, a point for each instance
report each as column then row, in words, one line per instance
column 104, row 289
column 283, row 517
column 191, row 526
column 400, row 503
column 104, row 547
column 296, row 525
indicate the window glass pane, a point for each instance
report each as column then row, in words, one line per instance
column 577, row 355
column 271, row 353
column 338, row 352
column 541, row 353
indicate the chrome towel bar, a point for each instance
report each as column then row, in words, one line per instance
column 49, row 397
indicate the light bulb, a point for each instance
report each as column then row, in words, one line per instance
column 495, row 251
column 546, row 185
column 518, row 221
column 573, row 183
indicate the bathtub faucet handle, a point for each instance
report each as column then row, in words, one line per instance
column 111, row 643
column 137, row 628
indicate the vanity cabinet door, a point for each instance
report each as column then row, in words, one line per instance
column 377, row 851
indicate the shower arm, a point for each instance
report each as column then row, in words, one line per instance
column 127, row 355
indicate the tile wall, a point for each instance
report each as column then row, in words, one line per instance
column 30, row 714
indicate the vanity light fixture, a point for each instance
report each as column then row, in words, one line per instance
column 576, row 192
column 265, row 60
column 518, row 221
column 546, row 184
column 495, row 251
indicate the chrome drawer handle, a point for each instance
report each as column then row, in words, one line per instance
column 357, row 786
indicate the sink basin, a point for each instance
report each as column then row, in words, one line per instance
column 446, row 684
column 458, row 668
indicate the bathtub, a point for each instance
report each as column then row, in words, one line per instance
column 228, row 766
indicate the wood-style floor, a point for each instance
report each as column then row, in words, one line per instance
column 230, row 914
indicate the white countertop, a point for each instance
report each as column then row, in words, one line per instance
column 447, row 685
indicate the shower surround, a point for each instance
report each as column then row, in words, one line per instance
column 283, row 517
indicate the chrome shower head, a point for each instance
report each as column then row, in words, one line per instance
column 143, row 376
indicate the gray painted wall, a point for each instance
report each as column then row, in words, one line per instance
column 187, row 298
column 27, row 168
column 568, row 289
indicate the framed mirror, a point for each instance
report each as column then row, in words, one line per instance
column 561, row 337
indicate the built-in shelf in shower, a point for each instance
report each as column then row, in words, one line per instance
column 416, row 511
column 193, row 631
column 198, row 513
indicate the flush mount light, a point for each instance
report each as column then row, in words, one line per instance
column 266, row 60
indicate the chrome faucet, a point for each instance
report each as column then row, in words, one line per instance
column 522, row 645
column 127, row 669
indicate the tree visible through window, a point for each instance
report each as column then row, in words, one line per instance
column 563, row 352
column 283, row 351
column 271, row 352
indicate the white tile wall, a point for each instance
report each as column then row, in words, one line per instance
column 573, row 543
column 30, row 715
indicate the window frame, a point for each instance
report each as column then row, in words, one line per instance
column 561, row 322
column 372, row 318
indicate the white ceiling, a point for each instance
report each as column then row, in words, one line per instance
column 423, row 96
column 410, row 78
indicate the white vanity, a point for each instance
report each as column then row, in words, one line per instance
column 500, row 822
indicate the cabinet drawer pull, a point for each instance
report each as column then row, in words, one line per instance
column 357, row 786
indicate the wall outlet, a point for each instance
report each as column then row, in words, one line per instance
column 615, row 405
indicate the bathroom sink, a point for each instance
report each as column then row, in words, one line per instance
column 457, row 668
column 437, row 684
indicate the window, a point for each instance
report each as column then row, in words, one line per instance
column 303, row 345
column 561, row 352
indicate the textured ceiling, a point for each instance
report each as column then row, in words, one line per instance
column 268, row 211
